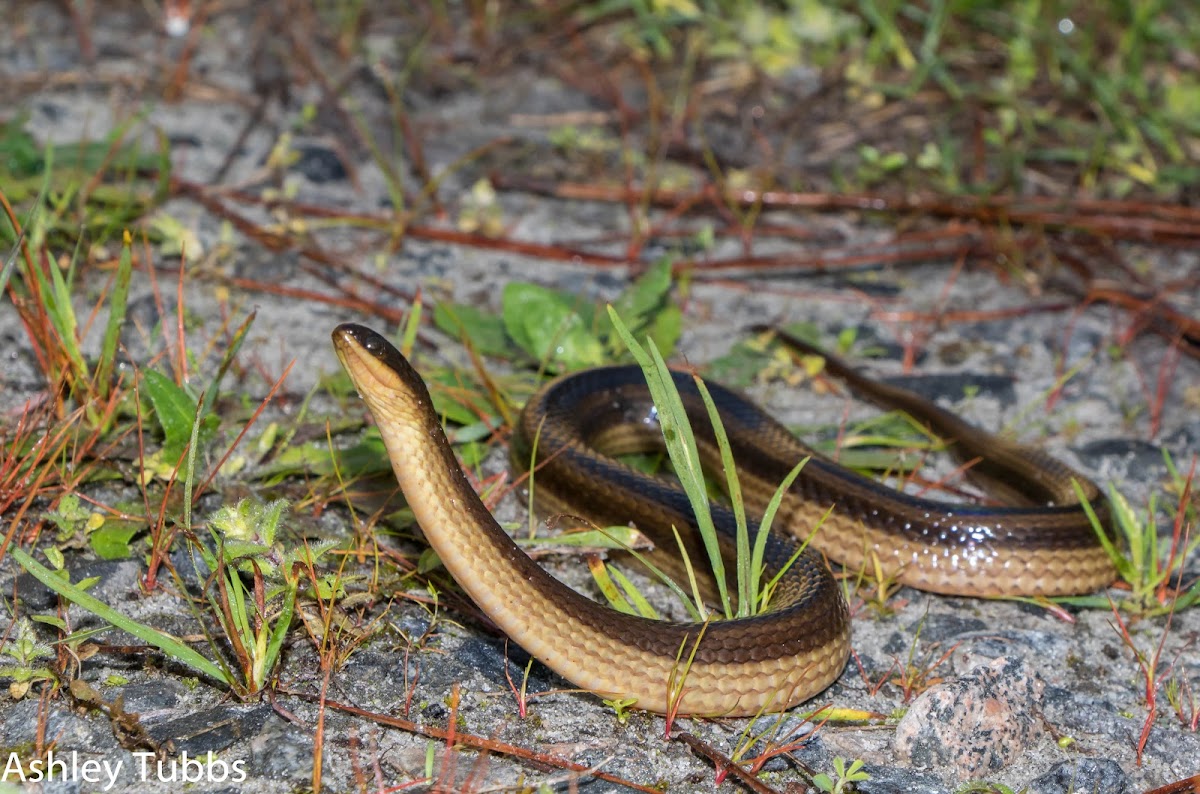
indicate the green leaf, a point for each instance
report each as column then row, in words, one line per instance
column 551, row 327
column 647, row 295
column 681, row 446
column 428, row 561
column 458, row 400
column 111, row 541
column 174, row 409
column 368, row 456
column 517, row 300
column 615, row 537
column 481, row 330
column 10, row 264
column 85, row 584
column 240, row 549
column 70, row 513
column 20, row 155
column 747, row 579
column 55, row 557
column 210, row 394
column 116, row 318
column 51, row 620
column 645, row 308
column 612, row 594
column 739, row 367
column 635, row 597
column 665, row 328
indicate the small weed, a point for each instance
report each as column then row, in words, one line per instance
column 1148, row 664
column 781, row 736
column 1182, row 699
column 876, row 166
column 843, row 777
column 254, row 618
column 911, row 676
column 23, row 651
column 43, row 301
column 520, row 693
column 84, row 189
column 1154, row 575
column 883, row 584
column 621, row 708
column 561, row 332
column 752, row 593
column 169, row 645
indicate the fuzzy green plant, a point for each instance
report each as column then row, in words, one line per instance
column 257, row 580
column 20, row 659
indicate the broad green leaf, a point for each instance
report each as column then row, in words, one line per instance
column 739, row 367
column 665, row 328
column 20, row 155
column 551, row 328
column 111, row 541
column 428, row 561
column 806, row 331
column 174, row 409
column 645, row 295
column 458, row 401
column 483, row 331
column 367, row 456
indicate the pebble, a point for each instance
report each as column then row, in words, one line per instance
column 974, row 725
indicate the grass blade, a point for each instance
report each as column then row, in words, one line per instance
column 116, row 318
column 746, row 573
column 681, row 447
column 164, row 642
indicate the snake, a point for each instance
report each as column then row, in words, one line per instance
column 1042, row 542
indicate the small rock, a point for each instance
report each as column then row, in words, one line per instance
column 1103, row 776
column 976, row 724
column 319, row 164
column 893, row 780
column 282, row 751
column 952, row 386
column 211, row 730
column 1131, row 453
column 944, row 628
column 115, row 580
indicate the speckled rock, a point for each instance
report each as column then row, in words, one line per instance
column 892, row 780
column 975, row 725
column 1097, row 776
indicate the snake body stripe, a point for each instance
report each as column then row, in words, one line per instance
column 738, row 667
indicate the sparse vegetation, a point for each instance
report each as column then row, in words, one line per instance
column 1027, row 140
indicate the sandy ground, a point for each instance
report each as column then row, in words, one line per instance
column 1088, row 706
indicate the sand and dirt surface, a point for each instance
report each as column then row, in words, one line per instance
column 331, row 164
